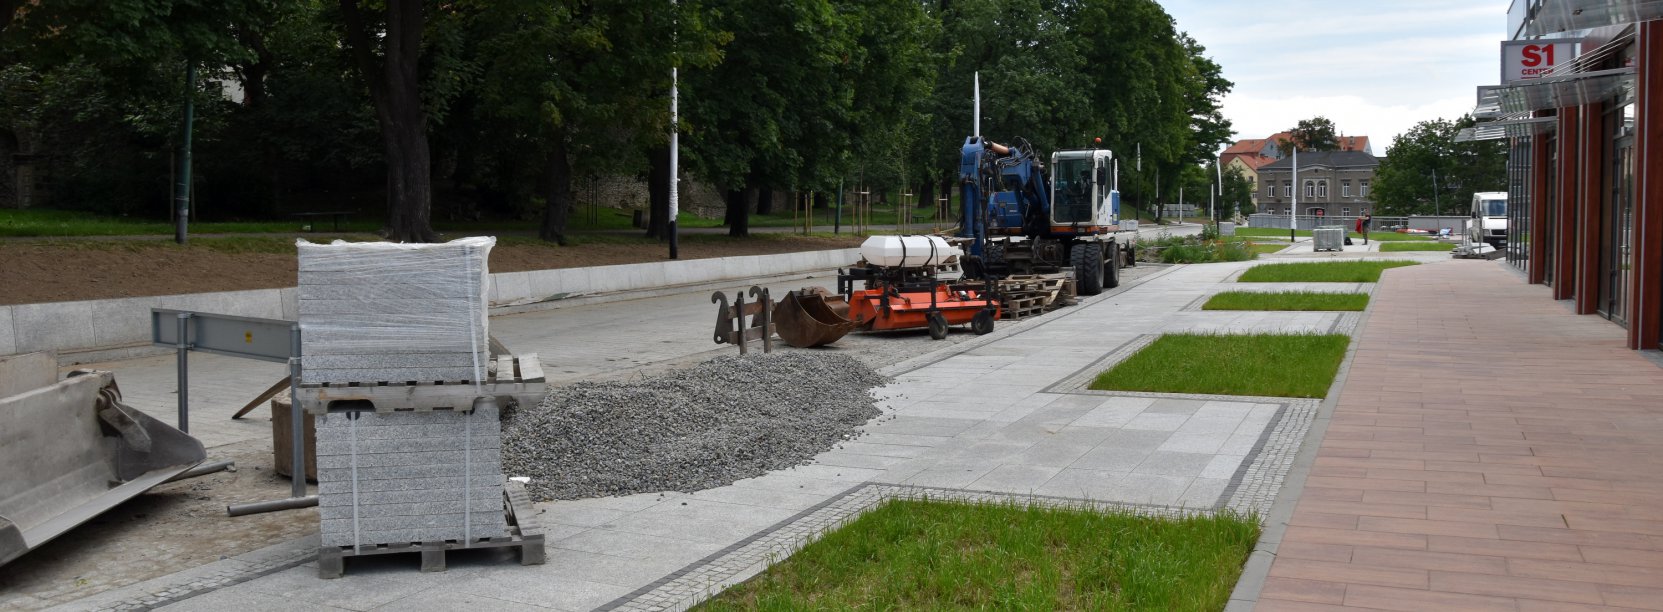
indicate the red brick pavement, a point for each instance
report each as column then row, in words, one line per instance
column 1489, row 451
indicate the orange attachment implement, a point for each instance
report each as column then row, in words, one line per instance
column 910, row 310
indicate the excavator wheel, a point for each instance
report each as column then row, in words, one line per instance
column 982, row 323
column 1087, row 261
column 938, row 326
column 1111, row 271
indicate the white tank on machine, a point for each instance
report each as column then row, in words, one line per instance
column 907, row 251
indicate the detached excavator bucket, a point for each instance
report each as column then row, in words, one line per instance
column 71, row 450
column 807, row 318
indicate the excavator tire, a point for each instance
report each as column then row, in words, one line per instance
column 1111, row 269
column 1087, row 260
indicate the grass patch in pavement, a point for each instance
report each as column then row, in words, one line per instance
column 1275, row 365
column 1271, row 232
column 1416, row 246
column 1286, row 300
column 1321, row 272
column 932, row 555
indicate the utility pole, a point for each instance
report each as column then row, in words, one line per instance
column 1293, row 221
column 675, row 148
column 182, row 189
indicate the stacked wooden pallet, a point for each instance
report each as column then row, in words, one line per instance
column 1028, row 295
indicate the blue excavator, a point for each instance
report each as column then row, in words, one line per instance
column 1026, row 218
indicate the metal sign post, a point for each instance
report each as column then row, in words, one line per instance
column 247, row 337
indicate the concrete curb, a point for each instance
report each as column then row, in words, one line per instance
column 99, row 330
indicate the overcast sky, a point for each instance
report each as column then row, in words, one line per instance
column 1376, row 68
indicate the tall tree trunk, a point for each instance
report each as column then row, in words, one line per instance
column 395, row 87
column 926, row 194
column 254, row 101
column 658, row 193
column 765, row 201
column 739, row 218
column 557, row 199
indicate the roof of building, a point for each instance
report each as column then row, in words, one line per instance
column 1332, row 159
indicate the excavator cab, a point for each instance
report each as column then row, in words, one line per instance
column 1083, row 192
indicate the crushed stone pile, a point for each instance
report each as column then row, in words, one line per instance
column 727, row 419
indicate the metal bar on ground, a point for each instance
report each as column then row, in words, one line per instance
column 274, row 505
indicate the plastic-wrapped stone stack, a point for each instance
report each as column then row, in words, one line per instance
column 386, row 312
column 401, row 314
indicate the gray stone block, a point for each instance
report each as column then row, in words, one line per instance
column 488, row 417
column 405, row 472
column 384, row 291
column 487, row 456
column 479, row 504
column 481, row 426
column 477, row 441
column 483, row 523
column 395, row 375
column 391, row 485
column 387, row 277
column 395, row 360
column 390, row 306
column 481, row 489
column 402, row 536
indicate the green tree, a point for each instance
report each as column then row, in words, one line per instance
column 1238, row 193
column 387, row 47
column 1314, row 134
column 1403, row 184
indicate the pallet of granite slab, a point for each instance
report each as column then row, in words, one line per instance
column 522, row 535
column 517, row 376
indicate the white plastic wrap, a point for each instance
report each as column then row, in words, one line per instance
column 381, row 311
column 907, row 251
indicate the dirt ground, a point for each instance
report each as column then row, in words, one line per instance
column 58, row 271
column 170, row 528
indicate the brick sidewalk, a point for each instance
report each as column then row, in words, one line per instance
column 1489, row 450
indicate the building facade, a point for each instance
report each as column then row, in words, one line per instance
column 1251, row 154
column 1585, row 188
column 1329, row 183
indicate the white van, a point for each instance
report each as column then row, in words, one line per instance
column 1489, row 219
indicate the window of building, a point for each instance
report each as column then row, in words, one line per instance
column 1287, row 189
column 1270, row 190
column 1345, row 211
column 1322, row 189
column 1345, row 189
column 1363, row 189
column 1310, row 189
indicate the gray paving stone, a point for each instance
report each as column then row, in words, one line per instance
column 421, row 485
column 1021, row 479
column 1108, row 458
column 1158, row 422
column 1175, row 406
column 1174, row 464
column 482, row 501
column 380, row 446
column 405, row 472
column 485, row 456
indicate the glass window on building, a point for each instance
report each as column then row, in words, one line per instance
column 1287, row 189
column 1363, row 189
column 1345, row 211
column 1345, row 189
column 1270, row 190
column 1310, row 189
column 1322, row 189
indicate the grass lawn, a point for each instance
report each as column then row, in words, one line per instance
column 1321, row 272
column 1286, row 300
column 1416, row 246
column 1270, row 232
column 929, row 555
column 1276, row 365
column 1266, row 248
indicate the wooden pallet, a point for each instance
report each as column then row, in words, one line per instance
column 1018, row 306
column 520, row 377
column 516, row 503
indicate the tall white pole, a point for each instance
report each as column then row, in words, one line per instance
column 1293, row 221
column 977, row 109
column 675, row 151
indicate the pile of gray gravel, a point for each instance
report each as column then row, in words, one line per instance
column 724, row 420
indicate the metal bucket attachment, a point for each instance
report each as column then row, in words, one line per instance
column 807, row 318
column 73, row 451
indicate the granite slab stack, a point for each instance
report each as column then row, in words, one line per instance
column 374, row 312
column 419, row 477
column 402, row 316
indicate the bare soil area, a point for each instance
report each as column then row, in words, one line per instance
column 65, row 270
